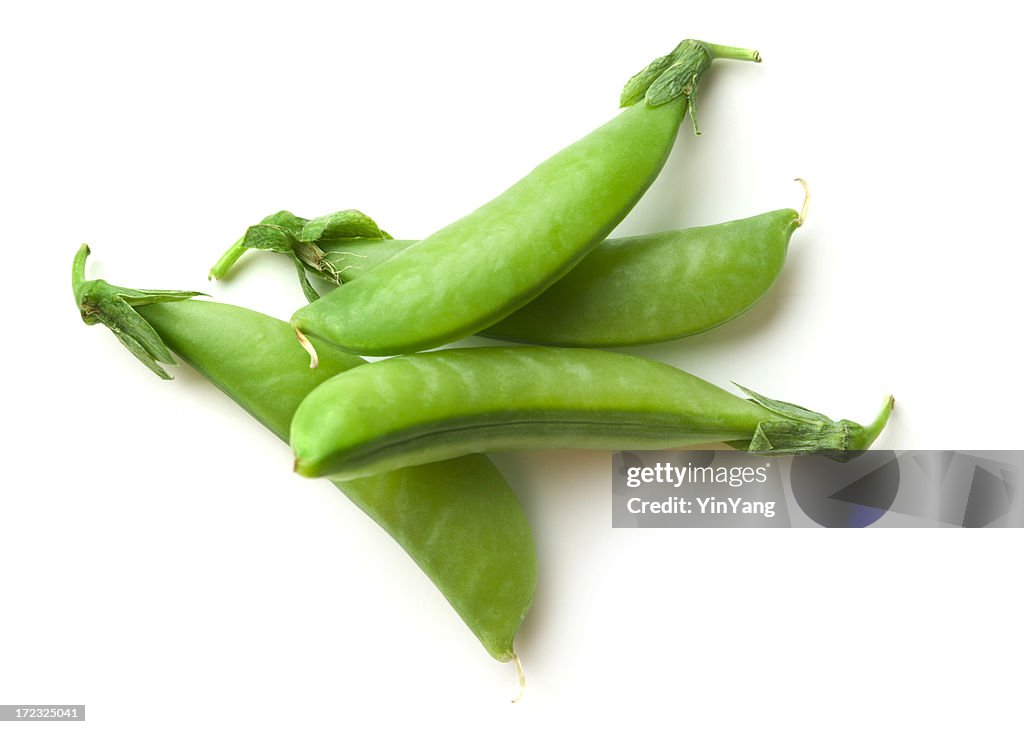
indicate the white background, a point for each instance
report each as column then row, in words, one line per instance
column 155, row 551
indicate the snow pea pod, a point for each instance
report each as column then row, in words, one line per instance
column 479, row 269
column 458, row 520
column 426, row 407
column 626, row 291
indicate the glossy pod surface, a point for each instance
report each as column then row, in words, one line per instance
column 484, row 266
column 426, row 407
column 458, row 520
column 650, row 288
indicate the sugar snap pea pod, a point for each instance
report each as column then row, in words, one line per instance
column 458, row 520
column 477, row 270
column 651, row 288
column 626, row 291
column 426, row 407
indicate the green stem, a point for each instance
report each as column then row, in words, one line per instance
column 731, row 52
column 227, row 260
column 870, row 432
column 78, row 271
column 678, row 74
column 99, row 302
column 797, row 430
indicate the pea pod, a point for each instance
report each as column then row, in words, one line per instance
column 651, row 288
column 458, row 520
column 426, row 407
column 479, row 269
column 626, row 291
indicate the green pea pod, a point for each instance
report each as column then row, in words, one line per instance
column 437, row 405
column 651, row 288
column 481, row 268
column 458, row 520
column 626, row 291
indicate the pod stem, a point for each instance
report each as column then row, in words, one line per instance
column 99, row 302
column 717, row 51
column 521, row 676
column 797, row 430
column 678, row 75
column 872, row 431
column 300, row 239
column 220, row 268
column 807, row 201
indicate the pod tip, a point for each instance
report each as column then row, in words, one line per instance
column 314, row 360
column 521, row 676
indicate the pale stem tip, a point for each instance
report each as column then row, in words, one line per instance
column 521, row 676
column 314, row 360
column 807, row 201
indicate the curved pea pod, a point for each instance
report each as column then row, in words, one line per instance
column 626, row 291
column 458, row 520
column 425, row 407
column 651, row 288
column 479, row 269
